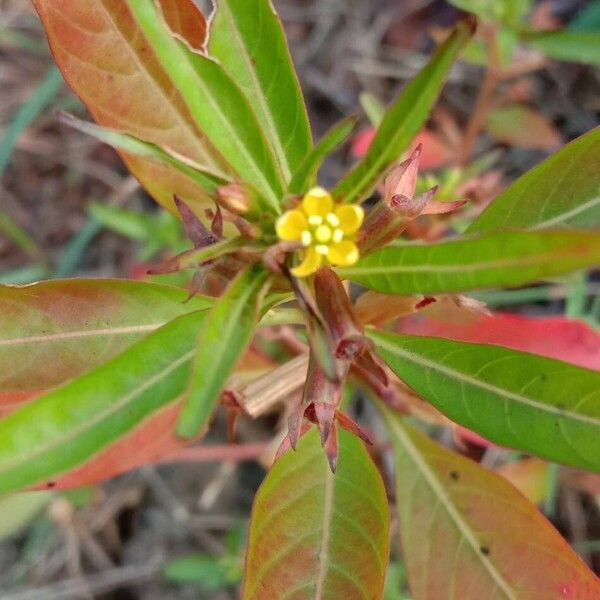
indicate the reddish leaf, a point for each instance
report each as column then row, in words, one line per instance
column 10, row 401
column 435, row 152
column 55, row 330
column 108, row 63
column 314, row 534
column 519, row 125
column 150, row 441
column 467, row 534
column 185, row 19
column 554, row 337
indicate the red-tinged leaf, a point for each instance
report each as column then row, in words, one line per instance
column 524, row 127
column 10, row 401
column 435, row 152
column 151, row 440
column 185, row 20
column 317, row 535
column 108, row 63
column 55, row 330
column 484, row 539
column 362, row 142
column 554, row 337
column 75, row 423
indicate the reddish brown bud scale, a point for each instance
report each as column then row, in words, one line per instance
column 336, row 309
column 195, row 229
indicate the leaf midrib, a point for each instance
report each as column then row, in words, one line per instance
column 69, row 335
column 517, row 261
column 326, row 533
column 467, row 379
column 445, row 500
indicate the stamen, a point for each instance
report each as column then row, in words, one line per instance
column 315, row 220
column 322, row 249
column 338, row 236
column 333, row 219
column 306, row 238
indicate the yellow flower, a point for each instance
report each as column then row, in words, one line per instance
column 326, row 231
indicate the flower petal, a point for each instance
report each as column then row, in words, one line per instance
column 343, row 254
column 290, row 225
column 317, row 202
column 312, row 261
column 351, row 217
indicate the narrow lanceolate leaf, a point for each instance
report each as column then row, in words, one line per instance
column 214, row 101
column 150, row 440
column 305, row 176
column 223, row 339
column 251, row 46
column 572, row 46
column 111, row 67
column 317, row 535
column 55, row 330
column 71, row 424
column 564, row 190
column 484, row 539
column 200, row 174
column 404, row 119
column 534, row 404
column 492, row 260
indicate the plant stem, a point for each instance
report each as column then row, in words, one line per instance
column 485, row 99
column 218, row 453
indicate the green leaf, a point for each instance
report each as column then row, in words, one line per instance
column 223, row 339
column 571, row 46
column 55, row 330
column 215, row 102
column 201, row 175
column 248, row 40
column 306, row 175
column 69, row 425
column 314, row 534
column 562, row 190
column 483, row 538
column 492, row 260
column 538, row 405
column 373, row 108
column 204, row 569
column 403, row 120
column 508, row 12
column 19, row 510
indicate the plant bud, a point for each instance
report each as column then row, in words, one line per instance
column 235, row 197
